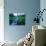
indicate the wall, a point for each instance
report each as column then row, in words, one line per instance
column 1, row 20
column 29, row 7
column 43, row 6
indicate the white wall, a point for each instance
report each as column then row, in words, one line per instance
column 29, row 7
column 1, row 20
column 43, row 6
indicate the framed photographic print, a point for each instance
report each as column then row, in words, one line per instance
column 17, row 19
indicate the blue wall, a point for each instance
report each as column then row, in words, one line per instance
column 29, row 7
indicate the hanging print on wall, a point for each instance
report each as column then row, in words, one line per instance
column 16, row 19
